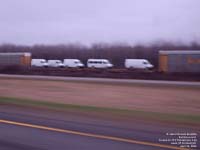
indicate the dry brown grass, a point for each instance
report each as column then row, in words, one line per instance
column 147, row 98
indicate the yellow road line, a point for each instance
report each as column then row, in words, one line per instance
column 93, row 135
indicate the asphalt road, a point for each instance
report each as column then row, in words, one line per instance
column 55, row 131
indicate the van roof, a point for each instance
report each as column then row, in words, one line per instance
column 54, row 60
column 97, row 59
column 137, row 59
column 70, row 59
column 38, row 59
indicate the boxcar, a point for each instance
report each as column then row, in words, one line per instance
column 11, row 59
column 179, row 61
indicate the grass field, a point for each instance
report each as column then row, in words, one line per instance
column 174, row 104
column 178, row 100
column 124, row 114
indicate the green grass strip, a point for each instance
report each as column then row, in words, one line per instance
column 177, row 118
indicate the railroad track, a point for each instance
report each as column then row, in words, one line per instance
column 102, row 73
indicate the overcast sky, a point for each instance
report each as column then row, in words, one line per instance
column 88, row 21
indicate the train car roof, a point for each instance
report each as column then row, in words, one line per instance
column 16, row 54
column 179, row 52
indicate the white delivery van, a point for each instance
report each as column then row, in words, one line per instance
column 73, row 63
column 55, row 63
column 99, row 63
column 39, row 63
column 138, row 64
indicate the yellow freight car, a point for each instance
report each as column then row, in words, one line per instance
column 19, row 59
column 179, row 61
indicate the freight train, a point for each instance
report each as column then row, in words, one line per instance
column 169, row 61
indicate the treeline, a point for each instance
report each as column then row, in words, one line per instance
column 116, row 53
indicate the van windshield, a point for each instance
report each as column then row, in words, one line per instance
column 43, row 61
column 106, row 62
column 146, row 63
column 77, row 62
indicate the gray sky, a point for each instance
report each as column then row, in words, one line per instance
column 89, row 21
